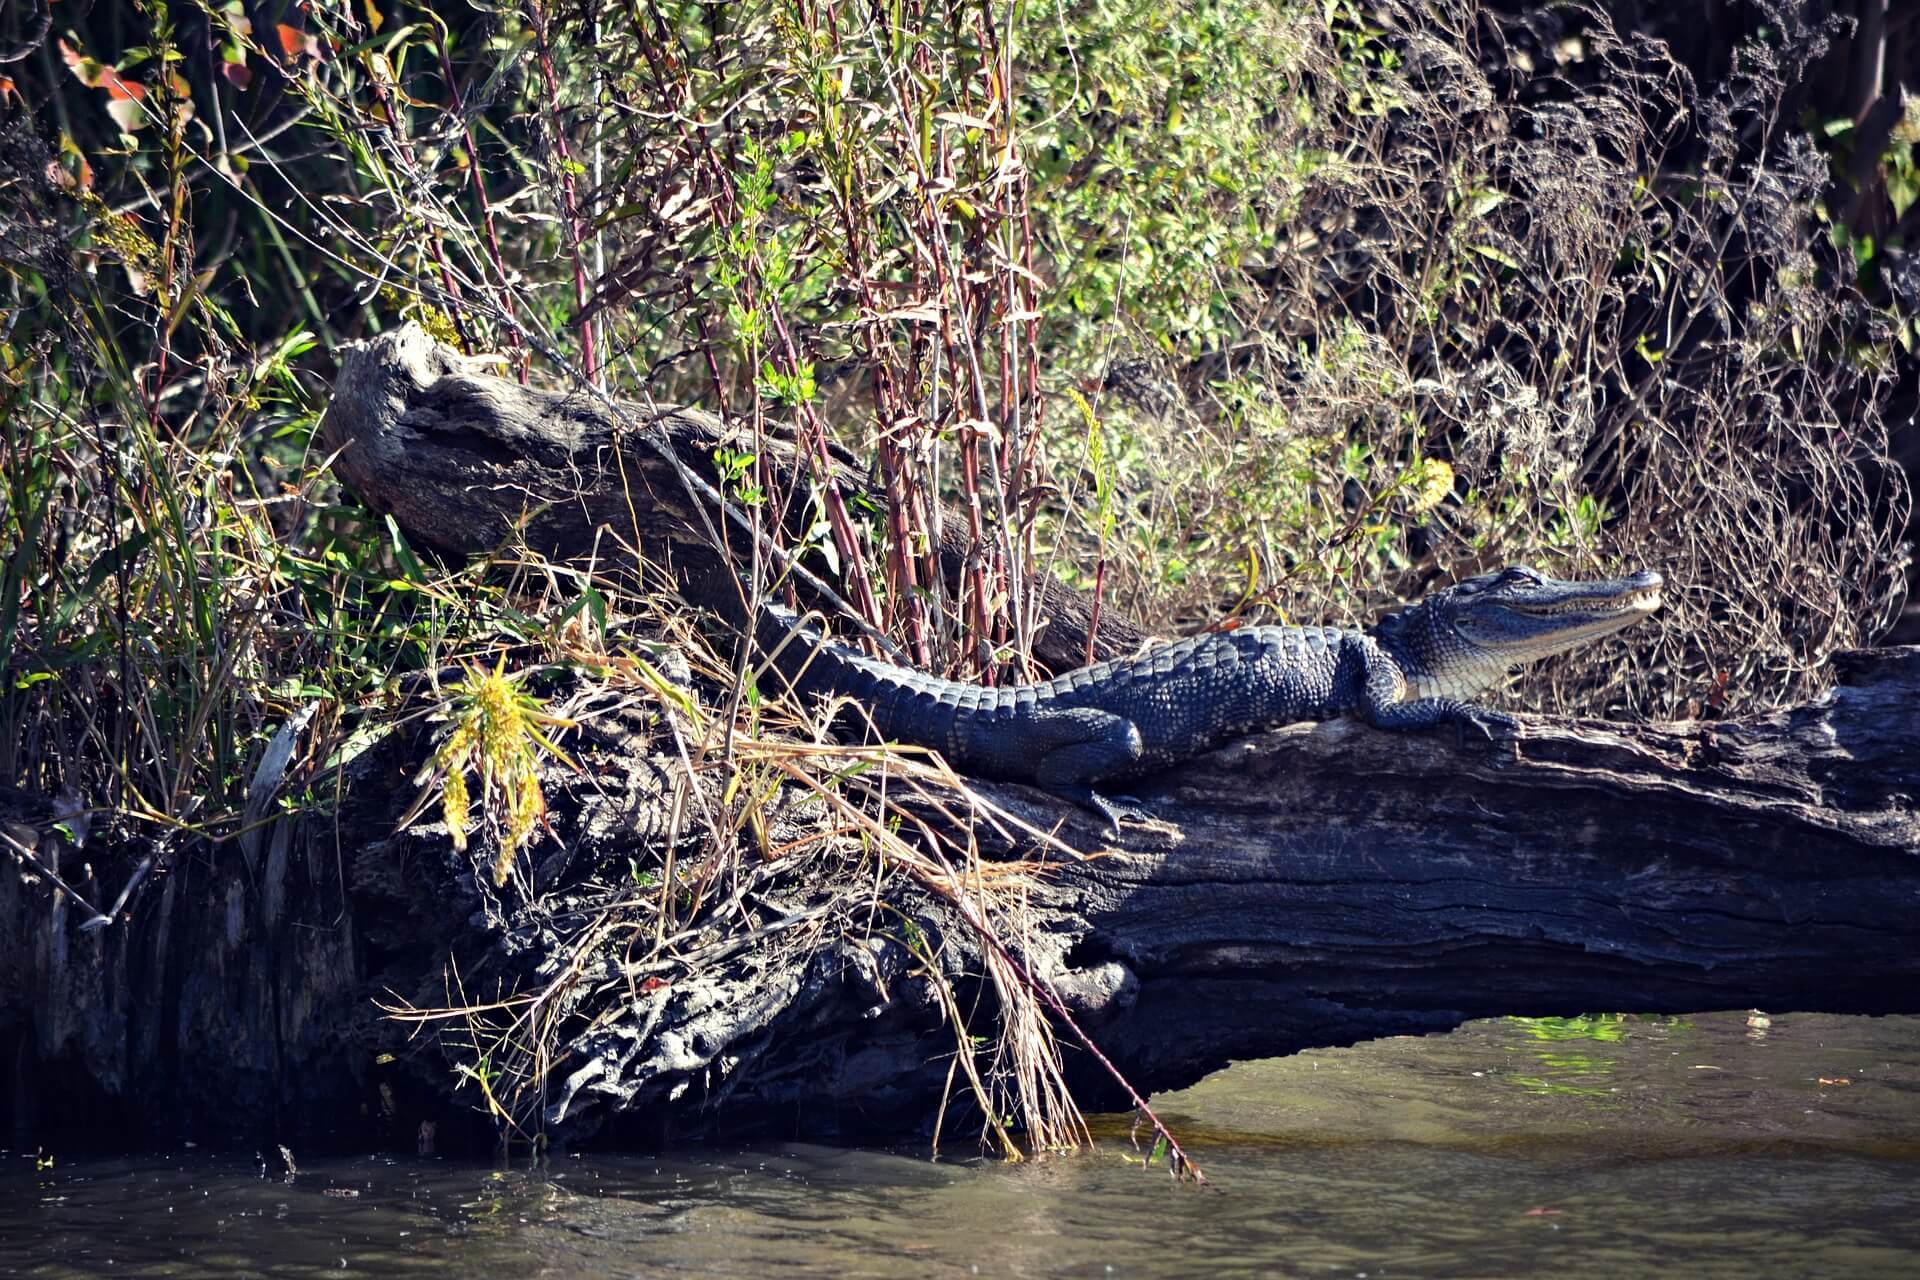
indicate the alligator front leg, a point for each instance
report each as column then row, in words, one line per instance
column 1430, row 713
column 1075, row 748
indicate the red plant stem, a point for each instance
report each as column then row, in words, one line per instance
column 904, row 529
column 713, row 361
column 1036, row 403
column 976, row 579
column 456, row 306
column 813, row 441
column 486, row 208
column 951, row 294
column 810, row 433
column 1016, row 457
column 669, row 95
column 569, row 197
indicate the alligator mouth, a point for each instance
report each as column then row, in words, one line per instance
column 1642, row 601
column 1636, row 596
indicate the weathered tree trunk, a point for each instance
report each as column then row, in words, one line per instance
column 1320, row 884
column 1315, row 885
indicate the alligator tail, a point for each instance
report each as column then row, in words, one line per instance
column 902, row 703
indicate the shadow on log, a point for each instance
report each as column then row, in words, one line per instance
column 1311, row 886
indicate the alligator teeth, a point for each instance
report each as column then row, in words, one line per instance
column 1641, row 601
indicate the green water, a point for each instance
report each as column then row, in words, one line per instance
column 1609, row 1148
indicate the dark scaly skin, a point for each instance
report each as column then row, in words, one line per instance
column 1415, row 669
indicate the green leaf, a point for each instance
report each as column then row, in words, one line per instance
column 358, row 743
column 1484, row 202
column 409, row 564
column 1903, row 188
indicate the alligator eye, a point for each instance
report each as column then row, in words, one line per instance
column 1520, row 573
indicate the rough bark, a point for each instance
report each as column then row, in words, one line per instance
column 1320, row 885
column 1310, row 886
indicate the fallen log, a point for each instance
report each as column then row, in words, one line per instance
column 1311, row 886
column 1324, row 884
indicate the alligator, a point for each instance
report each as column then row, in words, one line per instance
column 1414, row 668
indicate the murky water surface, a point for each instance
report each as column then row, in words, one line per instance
column 1677, row 1147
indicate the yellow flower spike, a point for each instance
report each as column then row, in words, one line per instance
column 496, row 734
column 1433, row 482
column 453, row 807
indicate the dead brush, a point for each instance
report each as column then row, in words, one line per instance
column 1534, row 250
column 771, row 806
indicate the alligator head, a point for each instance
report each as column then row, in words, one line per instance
column 1464, row 638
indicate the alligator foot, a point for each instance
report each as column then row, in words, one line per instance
column 1497, row 727
column 1112, row 809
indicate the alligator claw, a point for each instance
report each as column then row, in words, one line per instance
column 1501, row 731
column 1496, row 727
column 1118, row 807
column 1112, row 809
